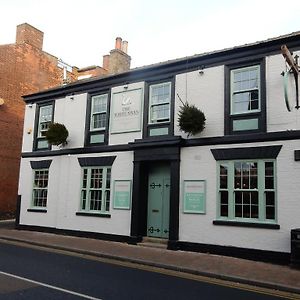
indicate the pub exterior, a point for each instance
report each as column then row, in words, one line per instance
column 129, row 172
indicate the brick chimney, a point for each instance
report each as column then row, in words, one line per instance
column 118, row 60
column 29, row 35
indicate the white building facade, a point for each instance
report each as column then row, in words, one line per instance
column 128, row 172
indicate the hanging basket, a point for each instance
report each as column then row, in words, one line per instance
column 191, row 119
column 57, row 134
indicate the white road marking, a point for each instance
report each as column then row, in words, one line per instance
column 50, row 286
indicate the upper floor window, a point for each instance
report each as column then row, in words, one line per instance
column 44, row 119
column 98, row 120
column 245, row 90
column 245, row 103
column 159, row 102
column 158, row 109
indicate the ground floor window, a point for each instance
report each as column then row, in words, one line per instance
column 95, row 189
column 40, row 188
column 247, row 190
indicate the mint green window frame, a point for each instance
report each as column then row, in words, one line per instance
column 95, row 189
column 40, row 188
column 245, row 89
column 160, row 103
column 249, row 195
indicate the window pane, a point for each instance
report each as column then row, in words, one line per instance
column 99, row 103
column 98, row 121
column 270, row 212
column 224, row 203
column 237, row 175
column 160, row 112
column 238, row 211
column 107, row 200
column 96, row 178
column 160, row 93
column 223, row 176
column 269, row 175
column 270, row 199
column 95, row 199
column 83, row 199
column 108, row 175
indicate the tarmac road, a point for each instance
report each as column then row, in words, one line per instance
column 28, row 273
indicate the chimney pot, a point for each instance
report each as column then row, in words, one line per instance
column 106, row 61
column 118, row 43
column 125, row 46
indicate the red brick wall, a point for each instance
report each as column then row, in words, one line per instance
column 24, row 69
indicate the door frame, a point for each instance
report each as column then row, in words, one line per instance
column 144, row 154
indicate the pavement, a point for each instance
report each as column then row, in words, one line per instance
column 261, row 274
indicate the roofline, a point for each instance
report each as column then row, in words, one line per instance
column 172, row 67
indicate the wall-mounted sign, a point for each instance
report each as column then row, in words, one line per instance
column 194, row 196
column 122, row 194
column 126, row 111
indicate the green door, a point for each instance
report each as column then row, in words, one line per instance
column 158, row 201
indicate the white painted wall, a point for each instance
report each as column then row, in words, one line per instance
column 197, row 163
column 71, row 112
column 64, row 196
column 28, row 128
column 206, row 92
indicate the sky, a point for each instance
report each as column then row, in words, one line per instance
column 80, row 32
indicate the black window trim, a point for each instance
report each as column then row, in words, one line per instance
column 262, row 115
column 105, row 131
column 36, row 124
column 170, row 125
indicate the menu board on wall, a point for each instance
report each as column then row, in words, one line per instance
column 126, row 111
column 122, row 194
column 194, row 196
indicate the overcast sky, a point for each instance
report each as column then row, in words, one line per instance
column 80, row 32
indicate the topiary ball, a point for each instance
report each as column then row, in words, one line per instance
column 57, row 134
column 191, row 119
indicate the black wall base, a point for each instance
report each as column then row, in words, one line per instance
column 281, row 258
column 85, row 234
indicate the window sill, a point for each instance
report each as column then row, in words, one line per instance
column 99, row 215
column 38, row 210
column 246, row 224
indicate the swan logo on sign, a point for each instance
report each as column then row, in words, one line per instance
column 126, row 100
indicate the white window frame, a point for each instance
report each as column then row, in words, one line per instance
column 261, row 190
column 100, row 112
column 38, row 188
column 85, row 203
column 41, row 132
column 233, row 92
column 151, row 105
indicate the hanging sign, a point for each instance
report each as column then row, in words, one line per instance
column 194, row 196
column 122, row 194
column 294, row 69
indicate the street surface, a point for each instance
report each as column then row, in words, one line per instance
column 29, row 273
